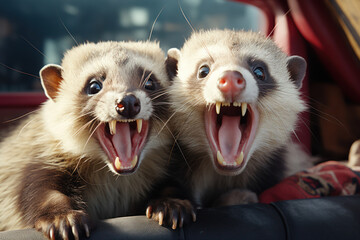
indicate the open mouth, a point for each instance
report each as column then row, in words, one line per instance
column 123, row 141
column 231, row 129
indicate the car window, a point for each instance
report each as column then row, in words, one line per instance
column 34, row 33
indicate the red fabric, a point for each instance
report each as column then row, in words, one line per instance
column 326, row 179
column 21, row 99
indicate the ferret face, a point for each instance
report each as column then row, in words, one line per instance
column 107, row 95
column 242, row 92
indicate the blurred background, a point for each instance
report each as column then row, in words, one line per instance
column 325, row 32
column 34, row 33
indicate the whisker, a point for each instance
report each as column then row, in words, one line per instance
column 83, row 127
column 28, row 42
column 165, row 123
column 176, row 142
column 13, row 69
column 276, row 25
column 194, row 30
column 186, row 19
column 159, row 95
column 67, row 30
column 91, row 134
column 27, row 124
column 153, row 25
column 142, row 79
column 22, row 116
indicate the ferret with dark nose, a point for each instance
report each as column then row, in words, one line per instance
column 94, row 149
column 236, row 100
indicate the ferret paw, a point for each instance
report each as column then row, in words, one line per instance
column 171, row 212
column 74, row 224
column 236, row 197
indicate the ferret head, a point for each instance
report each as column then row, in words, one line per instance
column 103, row 99
column 238, row 94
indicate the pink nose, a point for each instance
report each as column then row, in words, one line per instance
column 231, row 83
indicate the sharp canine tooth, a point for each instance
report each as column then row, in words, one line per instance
column 139, row 125
column 220, row 158
column 112, row 127
column 218, row 105
column 134, row 161
column 117, row 163
column 243, row 108
column 240, row 159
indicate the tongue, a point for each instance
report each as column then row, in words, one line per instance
column 229, row 137
column 122, row 141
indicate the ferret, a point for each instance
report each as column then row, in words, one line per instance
column 236, row 101
column 93, row 150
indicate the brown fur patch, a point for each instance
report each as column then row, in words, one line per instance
column 45, row 191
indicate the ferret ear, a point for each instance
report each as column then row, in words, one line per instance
column 297, row 68
column 173, row 56
column 51, row 78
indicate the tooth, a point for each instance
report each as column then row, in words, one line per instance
column 134, row 161
column 240, row 159
column 117, row 163
column 243, row 108
column 139, row 125
column 220, row 158
column 218, row 105
column 112, row 127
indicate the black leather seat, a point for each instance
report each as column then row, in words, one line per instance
column 330, row 218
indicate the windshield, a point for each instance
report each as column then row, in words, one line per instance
column 34, row 33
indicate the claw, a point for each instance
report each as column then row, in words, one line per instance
column 52, row 233
column 75, row 232
column 174, row 225
column 181, row 223
column 193, row 216
column 65, row 235
column 87, row 231
column 161, row 218
column 148, row 212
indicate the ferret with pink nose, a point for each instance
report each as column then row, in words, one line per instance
column 236, row 100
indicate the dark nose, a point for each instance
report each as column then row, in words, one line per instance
column 128, row 107
column 231, row 83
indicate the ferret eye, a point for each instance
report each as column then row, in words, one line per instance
column 203, row 71
column 259, row 73
column 150, row 84
column 94, row 87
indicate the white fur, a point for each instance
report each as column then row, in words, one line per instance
column 278, row 111
column 58, row 134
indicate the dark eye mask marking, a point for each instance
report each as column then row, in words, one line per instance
column 263, row 78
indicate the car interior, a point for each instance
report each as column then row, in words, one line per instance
column 326, row 33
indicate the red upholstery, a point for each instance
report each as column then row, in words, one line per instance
column 14, row 106
column 21, row 100
column 319, row 27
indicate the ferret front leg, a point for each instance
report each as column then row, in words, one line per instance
column 51, row 201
